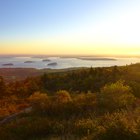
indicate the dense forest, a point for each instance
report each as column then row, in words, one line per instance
column 83, row 104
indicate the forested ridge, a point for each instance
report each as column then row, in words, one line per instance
column 84, row 104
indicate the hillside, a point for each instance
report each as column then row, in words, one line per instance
column 82, row 104
column 17, row 74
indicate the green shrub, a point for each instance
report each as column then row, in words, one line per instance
column 116, row 96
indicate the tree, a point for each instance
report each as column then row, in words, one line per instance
column 39, row 101
column 2, row 87
column 116, row 96
column 62, row 96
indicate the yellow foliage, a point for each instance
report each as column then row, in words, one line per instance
column 38, row 97
column 63, row 96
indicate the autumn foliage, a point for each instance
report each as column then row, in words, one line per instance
column 100, row 104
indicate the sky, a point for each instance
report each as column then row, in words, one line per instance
column 70, row 27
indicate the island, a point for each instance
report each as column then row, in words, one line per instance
column 8, row 64
column 97, row 59
column 29, row 62
column 52, row 64
column 46, row 60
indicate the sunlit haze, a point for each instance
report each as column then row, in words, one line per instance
column 70, row 27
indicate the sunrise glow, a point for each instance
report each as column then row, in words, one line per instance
column 89, row 27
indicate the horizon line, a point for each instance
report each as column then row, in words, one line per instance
column 72, row 55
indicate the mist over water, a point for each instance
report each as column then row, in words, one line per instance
column 62, row 62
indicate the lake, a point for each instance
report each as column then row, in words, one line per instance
column 63, row 62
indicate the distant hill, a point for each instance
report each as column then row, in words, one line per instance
column 16, row 74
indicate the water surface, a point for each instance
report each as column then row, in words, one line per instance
column 63, row 62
